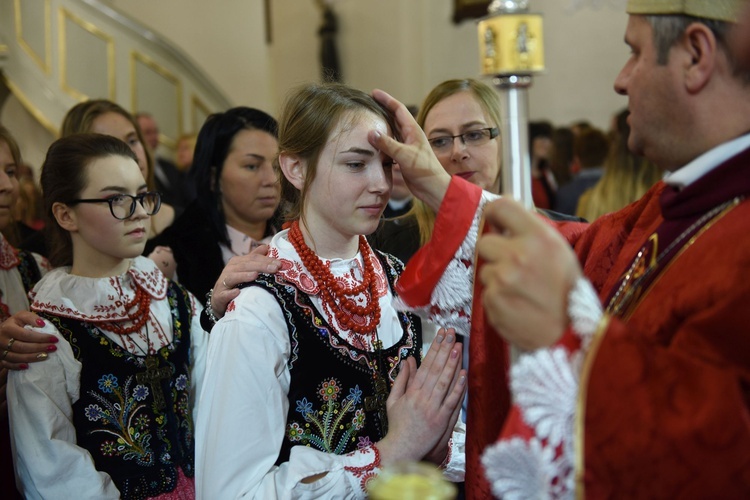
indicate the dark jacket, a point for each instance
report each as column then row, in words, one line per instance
column 196, row 250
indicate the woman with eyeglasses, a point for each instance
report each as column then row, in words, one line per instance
column 110, row 415
column 461, row 120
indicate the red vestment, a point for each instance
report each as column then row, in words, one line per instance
column 664, row 390
column 664, row 396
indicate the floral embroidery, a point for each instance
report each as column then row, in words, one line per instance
column 304, row 407
column 108, row 383
column 333, row 426
column 93, row 412
column 359, row 419
column 295, row 432
column 369, row 471
column 544, row 384
column 329, row 390
column 140, row 392
column 123, row 417
column 364, row 443
column 181, row 382
column 8, row 255
column 108, row 448
column 355, row 393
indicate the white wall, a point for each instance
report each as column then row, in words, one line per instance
column 225, row 37
column 403, row 46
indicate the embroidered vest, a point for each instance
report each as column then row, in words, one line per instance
column 28, row 269
column 119, row 419
column 337, row 392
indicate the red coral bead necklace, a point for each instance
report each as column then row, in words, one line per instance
column 338, row 297
column 137, row 311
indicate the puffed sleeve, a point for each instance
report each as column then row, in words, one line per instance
column 242, row 411
column 40, row 400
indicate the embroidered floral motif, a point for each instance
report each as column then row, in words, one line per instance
column 545, row 388
column 8, row 255
column 364, row 443
column 108, row 383
column 143, row 272
column 329, row 390
column 122, row 416
column 369, row 471
column 333, row 426
column 295, row 432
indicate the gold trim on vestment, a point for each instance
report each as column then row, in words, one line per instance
column 578, row 432
column 625, row 316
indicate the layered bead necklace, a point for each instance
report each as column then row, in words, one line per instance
column 137, row 311
column 339, row 298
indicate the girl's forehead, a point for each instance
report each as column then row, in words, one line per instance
column 356, row 124
column 113, row 170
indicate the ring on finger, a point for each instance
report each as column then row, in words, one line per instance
column 10, row 343
column 5, row 354
column 224, row 282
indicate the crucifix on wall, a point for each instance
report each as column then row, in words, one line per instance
column 329, row 56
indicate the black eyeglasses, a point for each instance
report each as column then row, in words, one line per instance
column 122, row 206
column 470, row 138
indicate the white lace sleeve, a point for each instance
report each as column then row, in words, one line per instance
column 451, row 300
column 545, row 385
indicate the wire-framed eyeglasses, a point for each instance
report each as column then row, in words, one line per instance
column 470, row 138
column 122, row 206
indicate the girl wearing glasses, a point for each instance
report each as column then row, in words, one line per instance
column 110, row 415
column 101, row 116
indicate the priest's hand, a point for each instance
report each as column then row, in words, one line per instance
column 20, row 346
column 240, row 269
column 528, row 273
column 423, row 173
column 422, row 406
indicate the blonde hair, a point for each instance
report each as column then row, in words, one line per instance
column 490, row 103
column 626, row 178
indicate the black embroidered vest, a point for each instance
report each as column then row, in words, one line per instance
column 119, row 419
column 28, row 269
column 336, row 400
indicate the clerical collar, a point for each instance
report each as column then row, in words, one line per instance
column 707, row 162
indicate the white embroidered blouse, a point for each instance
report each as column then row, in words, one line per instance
column 241, row 419
column 40, row 399
column 12, row 292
